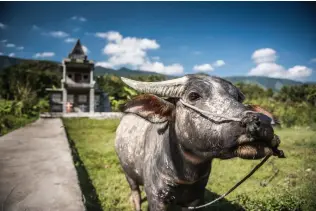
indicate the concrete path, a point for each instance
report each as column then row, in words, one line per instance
column 36, row 170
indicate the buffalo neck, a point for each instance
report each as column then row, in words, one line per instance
column 180, row 164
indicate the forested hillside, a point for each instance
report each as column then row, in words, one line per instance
column 23, row 86
column 265, row 82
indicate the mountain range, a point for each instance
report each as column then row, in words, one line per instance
column 264, row 82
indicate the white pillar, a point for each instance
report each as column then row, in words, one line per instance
column 64, row 89
column 64, row 70
column 91, row 75
column 64, row 100
column 91, row 100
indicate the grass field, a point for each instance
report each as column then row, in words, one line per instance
column 293, row 186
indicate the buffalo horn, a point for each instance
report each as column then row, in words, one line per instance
column 168, row 88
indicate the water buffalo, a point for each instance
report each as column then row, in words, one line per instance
column 169, row 136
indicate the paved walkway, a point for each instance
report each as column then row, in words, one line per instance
column 37, row 171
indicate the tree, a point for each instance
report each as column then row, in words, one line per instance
column 30, row 76
column 253, row 91
column 302, row 93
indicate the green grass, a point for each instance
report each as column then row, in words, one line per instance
column 293, row 187
column 9, row 123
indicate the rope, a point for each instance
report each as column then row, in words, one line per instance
column 235, row 186
column 217, row 118
column 275, row 170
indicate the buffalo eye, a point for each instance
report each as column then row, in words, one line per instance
column 193, row 96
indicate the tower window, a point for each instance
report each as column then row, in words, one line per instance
column 56, row 97
column 78, row 77
column 85, row 77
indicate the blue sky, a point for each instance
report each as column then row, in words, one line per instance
column 221, row 38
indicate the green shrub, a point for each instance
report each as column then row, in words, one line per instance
column 10, row 122
column 5, row 107
column 15, row 114
column 289, row 114
column 42, row 106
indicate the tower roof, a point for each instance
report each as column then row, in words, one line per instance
column 78, row 52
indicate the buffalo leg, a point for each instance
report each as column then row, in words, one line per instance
column 155, row 205
column 135, row 197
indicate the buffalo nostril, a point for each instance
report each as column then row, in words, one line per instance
column 252, row 122
column 247, row 119
column 242, row 124
column 252, row 129
column 257, row 121
column 250, row 119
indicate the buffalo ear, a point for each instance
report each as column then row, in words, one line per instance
column 151, row 108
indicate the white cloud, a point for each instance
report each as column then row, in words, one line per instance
column 313, row 60
column 264, row 55
column 299, row 71
column 219, row 63
column 128, row 51
column 104, row 64
column 10, row 45
column 159, row 67
column 85, row 49
column 268, row 69
column 11, row 54
column 79, row 18
column 20, row 48
column 44, row 54
column 35, row 27
column 89, row 34
column 208, row 67
column 1, row 53
column 57, row 34
column 4, row 41
column 3, row 26
column 70, row 40
column 203, row 68
column 156, row 58
column 267, row 66
column 111, row 36
column 132, row 51
column 197, row 52
column 76, row 29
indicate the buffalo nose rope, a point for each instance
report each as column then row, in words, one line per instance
column 213, row 117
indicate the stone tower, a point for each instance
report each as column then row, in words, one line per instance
column 78, row 92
